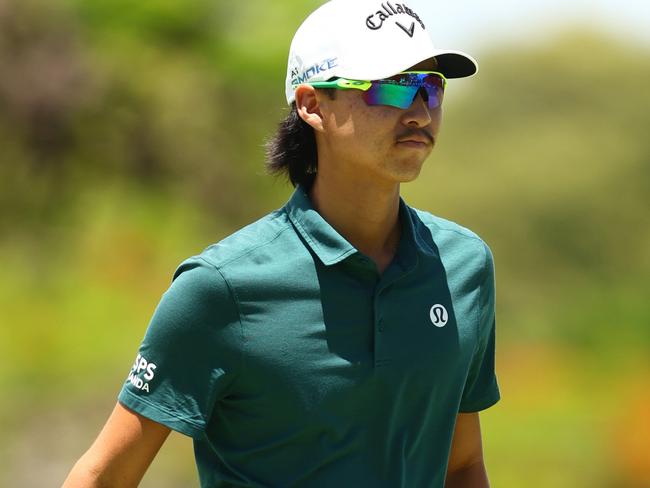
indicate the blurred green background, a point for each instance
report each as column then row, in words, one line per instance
column 131, row 136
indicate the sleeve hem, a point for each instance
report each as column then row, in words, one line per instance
column 160, row 415
column 482, row 405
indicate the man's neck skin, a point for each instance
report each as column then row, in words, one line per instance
column 366, row 214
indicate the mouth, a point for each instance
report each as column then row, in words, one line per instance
column 415, row 142
column 420, row 140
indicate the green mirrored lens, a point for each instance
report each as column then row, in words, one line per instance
column 400, row 90
column 393, row 95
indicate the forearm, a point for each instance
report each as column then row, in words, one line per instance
column 474, row 476
column 121, row 454
column 92, row 471
column 84, row 476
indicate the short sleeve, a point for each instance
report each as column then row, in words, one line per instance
column 190, row 353
column 481, row 389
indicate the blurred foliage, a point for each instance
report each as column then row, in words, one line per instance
column 131, row 136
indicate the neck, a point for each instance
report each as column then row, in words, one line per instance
column 366, row 214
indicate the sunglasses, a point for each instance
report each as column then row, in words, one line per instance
column 397, row 91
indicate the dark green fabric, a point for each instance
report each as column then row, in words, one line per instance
column 291, row 362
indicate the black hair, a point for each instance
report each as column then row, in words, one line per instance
column 292, row 150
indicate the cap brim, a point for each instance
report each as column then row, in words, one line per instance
column 456, row 64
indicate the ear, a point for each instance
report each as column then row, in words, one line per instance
column 308, row 106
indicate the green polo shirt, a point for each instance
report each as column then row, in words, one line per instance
column 291, row 362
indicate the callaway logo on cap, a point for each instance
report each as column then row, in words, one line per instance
column 365, row 40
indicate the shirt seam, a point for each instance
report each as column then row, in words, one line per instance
column 479, row 301
column 247, row 251
column 480, row 295
column 460, row 233
column 235, row 298
column 430, row 222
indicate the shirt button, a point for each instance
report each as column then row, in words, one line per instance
column 380, row 324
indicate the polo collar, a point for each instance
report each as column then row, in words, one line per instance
column 332, row 248
column 325, row 242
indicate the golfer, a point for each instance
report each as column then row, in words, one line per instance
column 346, row 339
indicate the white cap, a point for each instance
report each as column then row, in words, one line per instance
column 365, row 40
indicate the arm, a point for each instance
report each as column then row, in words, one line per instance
column 466, row 467
column 121, row 453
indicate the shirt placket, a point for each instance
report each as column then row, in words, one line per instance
column 383, row 349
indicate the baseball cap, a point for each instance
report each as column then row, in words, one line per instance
column 365, row 40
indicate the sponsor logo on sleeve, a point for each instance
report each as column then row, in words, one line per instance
column 142, row 372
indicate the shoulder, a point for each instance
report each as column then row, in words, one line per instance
column 269, row 231
column 440, row 226
column 452, row 241
column 206, row 284
column 446, row 230
column 268, row 246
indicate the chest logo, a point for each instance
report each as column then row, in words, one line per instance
column 439, row 316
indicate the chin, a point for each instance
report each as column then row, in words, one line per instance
column 409, row 171
column 406, row 175
column 410, row 177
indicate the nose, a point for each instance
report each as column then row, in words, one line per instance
column 418, row 114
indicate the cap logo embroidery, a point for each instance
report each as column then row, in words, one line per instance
column 409, row 31
column 298, row 77
column 376, row 21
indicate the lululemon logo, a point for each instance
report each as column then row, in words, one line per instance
column 439, row 315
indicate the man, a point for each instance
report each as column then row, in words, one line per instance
column 345, row 339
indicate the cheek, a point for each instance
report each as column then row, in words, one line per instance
column 340, row 123
column 374, row 125
column 355, row 127
column 341, row 127
column 436, row 120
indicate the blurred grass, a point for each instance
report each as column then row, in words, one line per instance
column 131, row 137
column 565, row 420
